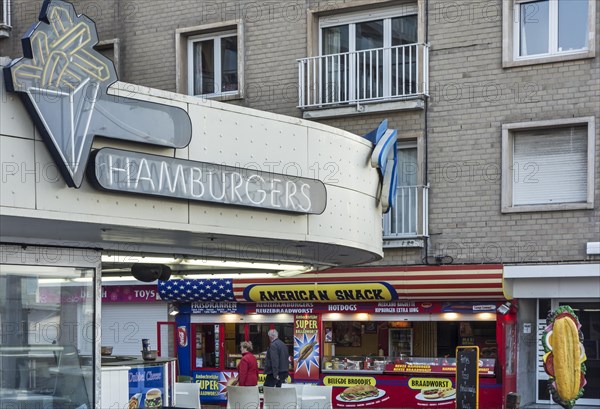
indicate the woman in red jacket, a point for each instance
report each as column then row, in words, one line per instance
column 248, row 367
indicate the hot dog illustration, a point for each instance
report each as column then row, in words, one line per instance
column 306, row 350
column 565, row 356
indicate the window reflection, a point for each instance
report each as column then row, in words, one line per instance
column 46, row 336
column 206, row 342
column 572, row 25
column 534, row 19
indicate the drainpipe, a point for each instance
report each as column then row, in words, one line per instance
column 425, row 135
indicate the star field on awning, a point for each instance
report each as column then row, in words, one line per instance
column 216, row 289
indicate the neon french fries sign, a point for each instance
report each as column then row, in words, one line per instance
column 66, row 86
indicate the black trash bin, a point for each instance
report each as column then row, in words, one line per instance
column 513, row 400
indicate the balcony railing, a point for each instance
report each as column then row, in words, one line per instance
column 409, row 218
column 377, row 74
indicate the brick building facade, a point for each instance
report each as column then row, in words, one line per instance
column 472, row 196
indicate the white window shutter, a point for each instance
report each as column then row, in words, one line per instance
column 550, row 166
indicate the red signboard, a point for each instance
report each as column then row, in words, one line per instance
column 130, row 293
column 406, row 391
column 384, row 307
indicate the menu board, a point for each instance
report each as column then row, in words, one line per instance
column 446, row 366
column 467, row 377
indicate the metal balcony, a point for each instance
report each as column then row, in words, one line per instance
column 409, row 218
column 379, row 74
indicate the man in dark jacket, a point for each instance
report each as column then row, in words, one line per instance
column 276, row 361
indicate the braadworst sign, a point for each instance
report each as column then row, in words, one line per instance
column 64, row 83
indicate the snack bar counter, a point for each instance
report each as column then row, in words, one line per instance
column 150, row 383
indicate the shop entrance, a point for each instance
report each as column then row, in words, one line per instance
column 167, row 338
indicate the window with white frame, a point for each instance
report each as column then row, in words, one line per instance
column 548, row 165
column 548, row 30
column 365, row 56
column 213, row 64
column 407, row 218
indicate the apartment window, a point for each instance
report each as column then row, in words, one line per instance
column 365, row 56
column 407, row 219
column 548, row 30
column 111, row 50
column 548, row 165
column 213, row 64
column 372, row 64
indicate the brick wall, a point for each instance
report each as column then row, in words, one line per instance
column 471, row 97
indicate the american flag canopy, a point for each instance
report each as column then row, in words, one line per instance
column 217, row 289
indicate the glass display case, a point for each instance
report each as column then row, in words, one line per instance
column 233, row 360
column 47, row 336
column 43, row 376
column 434, row 365
column 373, row 364
column 401, row 341
column 390, row 364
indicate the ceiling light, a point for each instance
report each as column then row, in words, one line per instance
column 241, row 264
column 65, row 280
column 223, row 275
column 292, row 273
column 131, row 259
column 108, row 279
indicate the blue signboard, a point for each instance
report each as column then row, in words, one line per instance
column 146, row 386
column 212, row 307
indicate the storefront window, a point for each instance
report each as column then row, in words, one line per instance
column 258, row 335
column 46, row 336
column 234, row 335
column 402, row 340
column 206, row 345
column 286, row 334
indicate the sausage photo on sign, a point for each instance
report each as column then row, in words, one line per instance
column 306, row 351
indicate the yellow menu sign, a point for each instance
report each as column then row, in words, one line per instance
column 346, row 381
column 354, row 292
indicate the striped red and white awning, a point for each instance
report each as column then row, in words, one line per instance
column 460, row 282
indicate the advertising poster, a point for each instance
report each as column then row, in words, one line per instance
column 306, row 347
column 146, row 387
column 213, row 384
